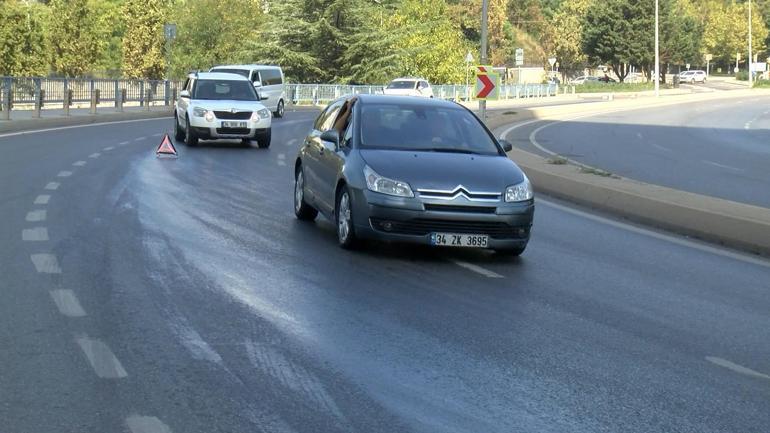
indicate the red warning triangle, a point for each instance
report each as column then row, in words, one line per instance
column 166, row 146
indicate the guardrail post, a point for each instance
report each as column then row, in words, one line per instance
column 68, row 93
column 148, row 100
column 116, row 86
column 141, row 93
column 7, row 99
column 166, row 90
column 173, row 96
column 36, row 95
column 120, row 97
column 94, row 100
column 315, row 95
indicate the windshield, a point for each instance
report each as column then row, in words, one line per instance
column 402, row 84
column 241, row 72
column 224, row 89
column 423, row 128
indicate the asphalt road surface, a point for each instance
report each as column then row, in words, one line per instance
column 715, row 148
column 180, row 295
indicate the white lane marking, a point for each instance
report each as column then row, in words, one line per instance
column 140, row 138
column 46, row 263
column 123, row 143
column 42, row 199
column 64, row 174
column 157, row 135
column 746, row 258
column 735, row 367
column 90, row 125
column 105, row 364
column 108, row 148
column 292, row 142
column 95, row 155
column 67, row 303
column 36, row 216
column 281, row 163
column 281, row 156
column 747, row 125
column 79, row 163
column 477, row 269
column 659, row 147
column 52, row 186
column 728, row 167
column 37, row 234
column 146, row 424
column 639, row 135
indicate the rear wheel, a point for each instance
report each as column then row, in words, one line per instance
column 191, row 139
column 178, row 132
column 263, row 139
column 280, row 110
column 302, row 210
column 343, row 213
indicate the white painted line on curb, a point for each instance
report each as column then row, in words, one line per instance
column 728, row 167
column 95, row 155
column 79, row 163
column 64, row 174
column 46, row 263
column 67, row 303
column 146, row 424
column 477, row 269
column 52, row 186
column 42, row 199
column 746, row 258
column 36, row 216
column 37, row 234
column 108, row 148
column 102, row 360
column 736, row 368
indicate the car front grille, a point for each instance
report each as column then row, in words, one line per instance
column 233, row 131
column 460, row 209
column 228, row 115
column 459, row 191
column 421, row 227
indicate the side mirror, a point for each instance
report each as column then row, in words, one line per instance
column 184, row 94
column 257, row 84
column 263, row 98
column 507, row 146
column 332, row 137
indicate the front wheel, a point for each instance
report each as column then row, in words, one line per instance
column 178, row 132
column 263, row 139
column 190, row 138
column 302, row 210
column 346, row 236
column 279, row 110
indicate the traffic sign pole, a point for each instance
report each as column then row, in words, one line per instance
column 484, row 14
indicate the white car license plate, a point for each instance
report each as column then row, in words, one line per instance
column 459, row 240
column 233, row 124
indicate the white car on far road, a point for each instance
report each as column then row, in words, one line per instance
column 696, row 76
column 409, row 87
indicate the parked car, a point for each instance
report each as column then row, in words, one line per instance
column 213, row 105
column 584, row 79
column 694, row 76
column 606, row 79
column 413, row 170
column 268, row 80
column 409, row 87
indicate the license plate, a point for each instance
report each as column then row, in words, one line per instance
column 459, row 240
column 233, row 124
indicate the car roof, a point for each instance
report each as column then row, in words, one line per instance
column 251, row 66
column 409, row 79
column 219, row 76
column 365, row 99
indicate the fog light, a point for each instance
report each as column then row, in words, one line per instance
column 387, row 226
column 522, row 233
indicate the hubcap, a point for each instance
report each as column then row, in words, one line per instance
column 298, row 191
column 280, row 108
column 343, row 218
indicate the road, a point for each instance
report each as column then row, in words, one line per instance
column 180, row 295
column 716, row 148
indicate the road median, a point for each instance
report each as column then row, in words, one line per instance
column 732, row 224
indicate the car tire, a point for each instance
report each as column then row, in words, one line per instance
column 512, row 252
column 246, row 142
column 302, row 210
column 263, row 139
column 190, row 139
column 178, row 132
column 280, row 109
column 343, row 219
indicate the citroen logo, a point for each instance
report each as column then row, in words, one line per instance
column 233, row 110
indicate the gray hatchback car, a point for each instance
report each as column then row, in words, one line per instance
column 413, row 170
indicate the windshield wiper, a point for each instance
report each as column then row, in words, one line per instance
column 450, row 150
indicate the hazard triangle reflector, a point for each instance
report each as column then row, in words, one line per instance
column 166, row 147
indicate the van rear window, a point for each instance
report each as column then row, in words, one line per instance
column 241, row 72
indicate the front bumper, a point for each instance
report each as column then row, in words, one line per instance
column 215, row 129
column 381, row 217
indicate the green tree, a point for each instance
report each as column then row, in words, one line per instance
column 23, row 43
column 144, row 53
column 76, row 42
column 726, row 31
column 563, row 35
column 111, row 28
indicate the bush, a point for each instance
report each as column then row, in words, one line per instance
column 612, row 87
column 742, row 76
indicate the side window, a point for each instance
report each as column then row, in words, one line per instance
column 423, row 85
column 278, row 77
column 330, row 111
column 186, row 85
column 190, row 85
column 254, row 76
column 328, row 122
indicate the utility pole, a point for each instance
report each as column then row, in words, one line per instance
column 657, row 52
column 751, row 55
column 484, row 14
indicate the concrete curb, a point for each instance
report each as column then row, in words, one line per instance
column 732, row 224
column 22, row 125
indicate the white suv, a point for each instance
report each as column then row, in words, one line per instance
column 220, row 106
column 409, row 87
column 692, row 76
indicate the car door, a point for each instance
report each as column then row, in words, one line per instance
column 331, row 159
column 313, row 149
column 184, row 102
column 267, row 90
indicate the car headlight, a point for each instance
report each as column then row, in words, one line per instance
column 519, row 192
column 261, row 114
column 383, row 185
column 202, row 112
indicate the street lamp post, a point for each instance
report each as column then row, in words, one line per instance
column 751, row 56
column 484, row 14
column 657, row 52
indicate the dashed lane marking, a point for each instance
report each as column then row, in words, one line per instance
column 146, row 424
column 123, row 143
column 728, row 167
column 108, row 148
column 79, row 163
column 105, row 364
column 95, row 155
column 157, row 135
column 37, row 234
column 64, row 174
column 140, row 138
column 46, row 263
column 36, row 216
column 659, row 147
column 67, row 303
column 736, row 368
column 477, row 269
column 42, row 199
column 52, row 186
